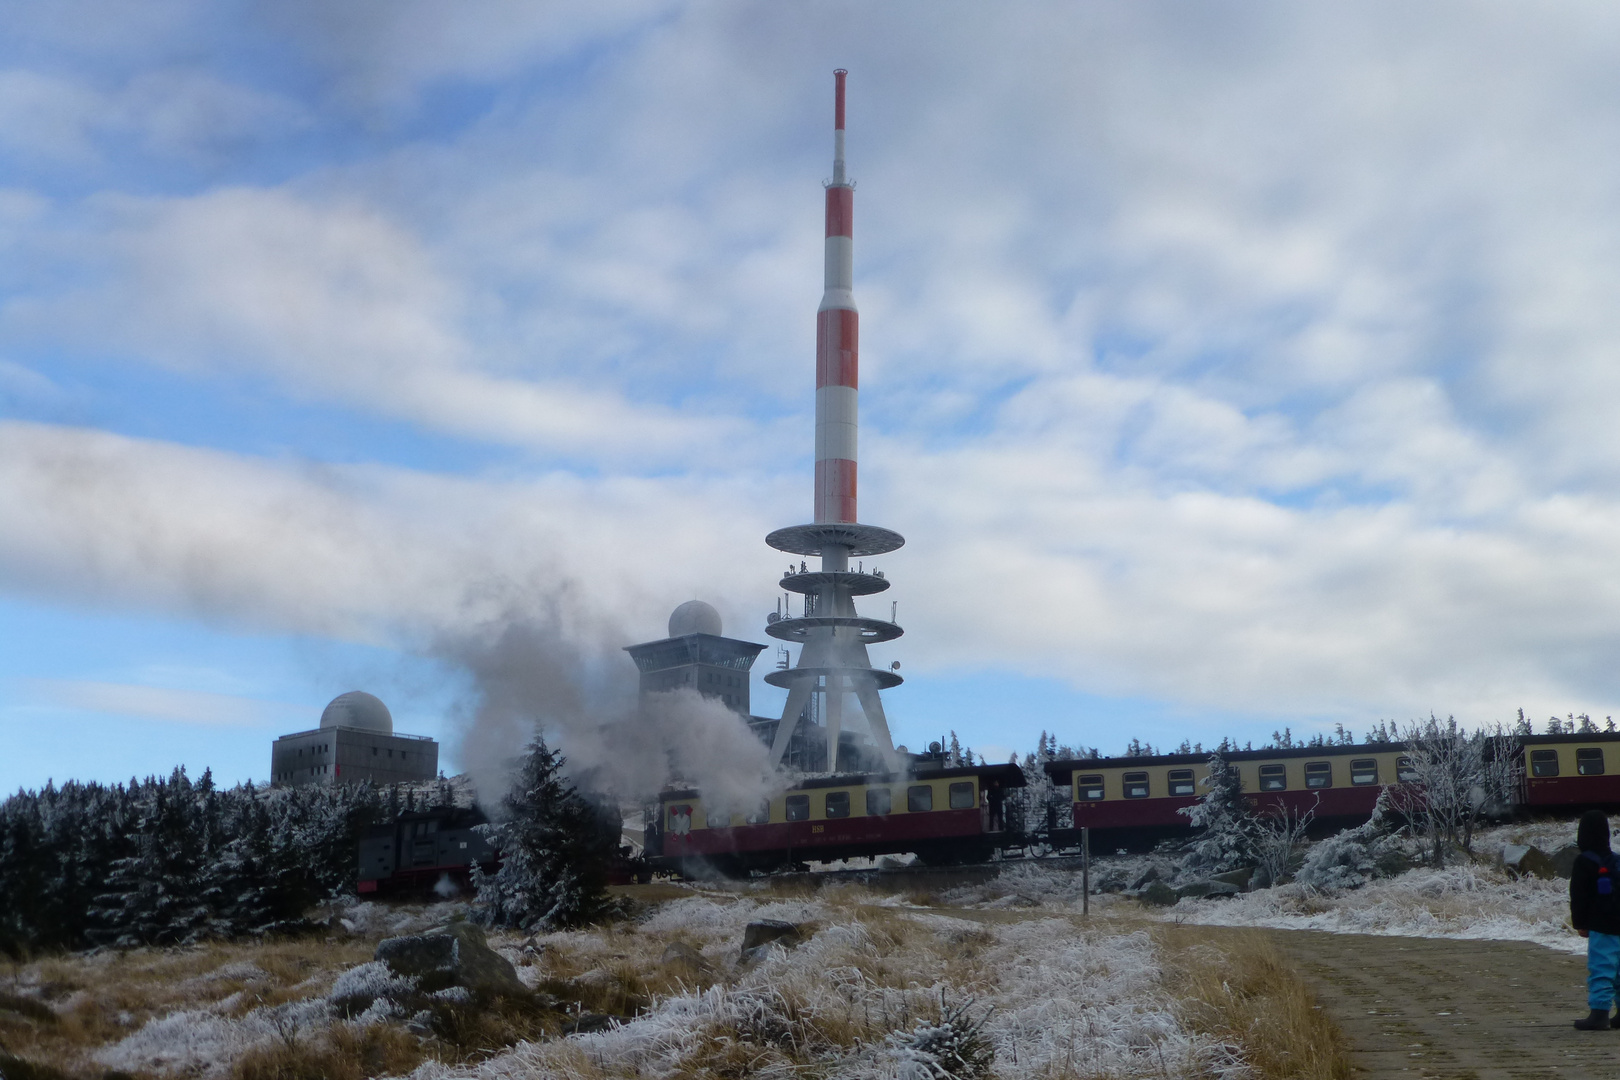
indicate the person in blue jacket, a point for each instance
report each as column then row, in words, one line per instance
column 1594, row 911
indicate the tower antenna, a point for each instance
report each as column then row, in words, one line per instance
column 833, row 664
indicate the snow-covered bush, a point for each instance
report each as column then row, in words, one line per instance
column 953, row 1049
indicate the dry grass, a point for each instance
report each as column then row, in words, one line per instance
column 1242, row 989
column 91, row 1000
column 344, row 1053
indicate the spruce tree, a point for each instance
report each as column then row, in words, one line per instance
column 554, row 847
column 1227, row 826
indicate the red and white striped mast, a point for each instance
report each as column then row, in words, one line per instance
column 833, row 662
column 838, row 333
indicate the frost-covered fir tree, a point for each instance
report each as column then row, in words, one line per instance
column 1225, row 840
column 1351, row 858
column 555, row 847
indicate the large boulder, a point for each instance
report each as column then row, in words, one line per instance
column 1563, row 860
column 1158, row 894
column 1527, row 860
column 453, row 955
column 767, row 932
column 1211, row 889
column 1238, row 878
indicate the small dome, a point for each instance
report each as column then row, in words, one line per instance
column 693, row 617
column 358, row 709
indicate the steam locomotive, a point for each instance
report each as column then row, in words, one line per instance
column 425, row 849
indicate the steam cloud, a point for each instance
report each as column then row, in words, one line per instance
column 535, row 675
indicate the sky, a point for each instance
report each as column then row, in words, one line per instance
column 1227, row 366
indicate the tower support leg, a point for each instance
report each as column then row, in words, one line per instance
column 835, row 718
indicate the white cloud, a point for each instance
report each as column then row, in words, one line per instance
column 171, row 704
column 1258, row 358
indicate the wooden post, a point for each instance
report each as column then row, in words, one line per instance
column 1085, row 870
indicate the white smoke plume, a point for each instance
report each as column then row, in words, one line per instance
column 536, row 675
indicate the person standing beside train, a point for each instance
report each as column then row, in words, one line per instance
column 1594, row 911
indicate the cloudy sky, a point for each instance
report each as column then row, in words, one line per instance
column 1227, row 366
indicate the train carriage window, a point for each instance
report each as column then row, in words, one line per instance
column 1089, row 788
column 879, row 801
column 1136, row 785
column 1318, row 774
column 962, row 796
column 1363, row 771
column 1181, row 782
column 1405, row 772
column 1589, row 761
column 838, row 804
column 798, row 807
column 919, row 798
column 1543, row 763
column 1273, row 777
column 717, row 819
column 761, row 814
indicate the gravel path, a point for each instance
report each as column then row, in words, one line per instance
column 1417, row 1007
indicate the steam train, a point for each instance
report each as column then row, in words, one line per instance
column 943, row 815
column 1132, row 801
column 966, row 814
column 424, row 849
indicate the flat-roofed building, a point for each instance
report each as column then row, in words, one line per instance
column 356, row 741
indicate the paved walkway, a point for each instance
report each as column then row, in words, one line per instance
column 1491, row 1010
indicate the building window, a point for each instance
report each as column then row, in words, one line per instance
column 1543, row 763
column 879, row 801
column 838, row 804
column 761, row 814
column 1136, row 785
column 919, row 798
column 373, row 751
column 1589, row 761
column 1181, row 782
column 1363, row 771
column 962, row 796
column 798, row 808
column 1318, row 774
column 1407, row 774
column 1273, row 778
column 1089, row 788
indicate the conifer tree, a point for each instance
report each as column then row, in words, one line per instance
column 1227, row 827
column 554, row 846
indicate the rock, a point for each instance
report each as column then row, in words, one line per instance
column 1522, row 860
column 680, row 954
column 453, row 955
column 1158, row 894
column 1211, row 889
column 1240, row 878
column 766, row 931
column 1141, row 882
column 1563, row 860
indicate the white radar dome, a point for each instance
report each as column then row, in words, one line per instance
column 693, row 617
column 358, row 709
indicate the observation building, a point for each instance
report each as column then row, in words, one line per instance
column 356, row 741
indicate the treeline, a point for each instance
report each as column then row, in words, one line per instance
column 162, row 861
